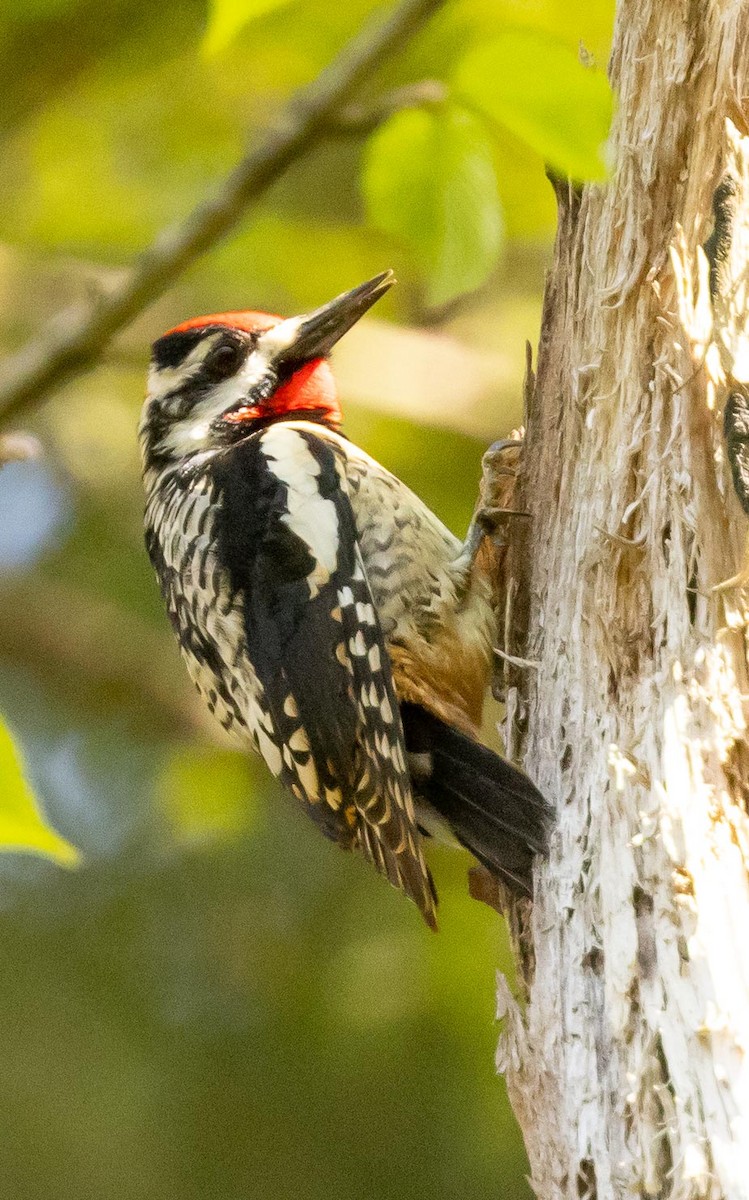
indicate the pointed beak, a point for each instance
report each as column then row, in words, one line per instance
column 298, row 340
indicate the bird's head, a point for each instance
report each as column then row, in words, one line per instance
column 215, row 379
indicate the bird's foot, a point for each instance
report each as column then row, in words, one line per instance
column 500, row 466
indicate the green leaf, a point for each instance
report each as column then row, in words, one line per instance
column 538, row 88
column 590, row 22
column 207, row 795
column 22, row 826
column 429, row 181
column 227, row 18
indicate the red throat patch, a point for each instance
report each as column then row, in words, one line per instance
column 311, row 389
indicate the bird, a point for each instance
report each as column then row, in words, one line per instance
column 330, row 621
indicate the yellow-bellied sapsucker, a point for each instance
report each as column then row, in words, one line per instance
column 328, row 618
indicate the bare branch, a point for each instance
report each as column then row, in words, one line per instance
column 359, row 119
column 75, row 338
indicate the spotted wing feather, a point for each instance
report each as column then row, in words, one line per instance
column 315, row 642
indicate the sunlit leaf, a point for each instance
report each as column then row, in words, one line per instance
column 227, row 18
column 206, row 794
column 539, row 90
column 429, row 181
column 22, row 825
column 590, row 22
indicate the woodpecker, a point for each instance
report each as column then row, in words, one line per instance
column 330, row 621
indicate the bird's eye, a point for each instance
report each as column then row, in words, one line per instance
column 224, row 360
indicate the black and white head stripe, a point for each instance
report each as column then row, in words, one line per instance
column 194, row 382
column 172, row 349
column 199, row 375
column 236, row 359
column 198, row 359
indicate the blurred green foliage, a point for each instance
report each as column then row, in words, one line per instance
column 207, row 795
column 216, row 1003
column 168, row 122
column 539, row 90
column 22, row 825
column 429, row 179
column 228, row 17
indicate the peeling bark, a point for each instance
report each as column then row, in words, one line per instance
column 628, row 1066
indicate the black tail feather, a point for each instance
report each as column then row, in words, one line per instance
column 493, row 809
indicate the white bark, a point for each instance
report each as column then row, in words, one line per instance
column 628, row 1068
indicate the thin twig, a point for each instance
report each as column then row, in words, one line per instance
column 618, row 539
column 76, row 337
column 528, row 664
column 361, row 119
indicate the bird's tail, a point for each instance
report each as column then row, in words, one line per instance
column 492, row 808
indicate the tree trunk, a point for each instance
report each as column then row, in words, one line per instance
column 628, row 1067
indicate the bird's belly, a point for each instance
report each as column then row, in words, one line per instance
column 439, row 645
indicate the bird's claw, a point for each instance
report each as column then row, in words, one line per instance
column 500, row 465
